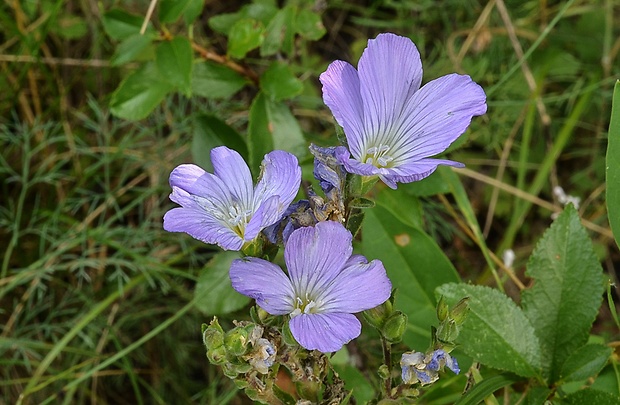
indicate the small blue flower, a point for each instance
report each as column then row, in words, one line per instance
column 440, row 358
column 415, row 366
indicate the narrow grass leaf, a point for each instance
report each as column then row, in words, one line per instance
column 214, row 294
column 613, row 166
column 496, row 332
column 567, row 291
column 415, row 264
column 585, row 362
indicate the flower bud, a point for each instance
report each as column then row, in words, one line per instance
column 212, row 335
column 460, row 311
column 447, row 331
column 394, row 328
column 442, row 309
column 384, row 372
column 236, row 341
column 378, row 315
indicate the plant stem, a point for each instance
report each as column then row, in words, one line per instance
column 387, row 359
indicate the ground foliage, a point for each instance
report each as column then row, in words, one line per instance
column 97, row 302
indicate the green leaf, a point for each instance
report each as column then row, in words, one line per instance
column 496, row 332
column 139, row 93
column 567, row 291
column 279, row 82
column 119, row 24
column 209, row 132
column 416, row 266
column 215, row 81
column 280, row 33
column 70, row 27
column 131, row 49
column 395, row 200
column 175, row 61
column 245, row 35
column 585, row 362
column 214, row 294
column 485, row 388
column 171, row 10
column 272, row 126
column 591, row 396
column 613, row 166
column 309, row 25
column 429, row 186
column 262, row 11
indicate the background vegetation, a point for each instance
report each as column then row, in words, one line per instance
column 97, row 302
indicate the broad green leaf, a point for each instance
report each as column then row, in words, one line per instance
column 175, row 61
column 309, row 25
column 215, row 81
column 416, row 266
column 613, row 166
column 429, row 186
column 567, row 292
column 246, row 34
column 395, row 200
column 496, row 332
column 280, row 33
column 591, row 396
column 209, row 132
column 585, row 362
column 214, row 294
column 272, row 126
column 262, row 11
column 171, row 10
column 361, row 389
column 132, row 48
column 139, row 93
column 119, row 24
column 486, row 387
column 279, row 82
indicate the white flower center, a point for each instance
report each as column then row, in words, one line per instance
column 378, row 156
column 235, row 215
column 305, row 306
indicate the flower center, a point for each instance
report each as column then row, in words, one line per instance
column 378, row 156
column 304, row 306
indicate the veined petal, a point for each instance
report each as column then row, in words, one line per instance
column 315, row 255
column 415, row 171
column 280, row 176
column 390, row 72
column 203, row 226
column 436, row 116
column 341, row 93
column 229, row 166
column 325, row 332
column 359, row 286
column 265, row 282
column 269, row 212
column 194, row 180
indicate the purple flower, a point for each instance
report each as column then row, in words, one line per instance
column 418, row 367
column 224, row 208
column 325, row 285
column 392, row 125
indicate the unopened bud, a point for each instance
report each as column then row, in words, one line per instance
column 384, row 372
column 460, row 311
column 442, row 309
column 236, row 341
column 447, row 331
column 212, row 335
column 394, row 328
column 378, row 315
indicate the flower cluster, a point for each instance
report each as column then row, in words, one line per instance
column 418, row 367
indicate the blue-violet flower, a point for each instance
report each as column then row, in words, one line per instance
column 418, row 367
column 324, row 287
column 224, row 208
column 393, row 126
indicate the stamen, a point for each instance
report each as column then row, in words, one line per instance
column 378, row 156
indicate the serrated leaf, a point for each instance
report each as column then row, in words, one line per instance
column 309, row 25
column 171, row 10
column 612, row 180
column 139, row 93
column 214, row 294
column 272, row 126
column 215, row 81
column 591, row 396
column 119, row 24
column 567, row 291
column 175, row 61
column 280, row 33
column 131, row 48
column 416, row 266
column 246, row 34
column 496, row 332
column 209, row 132
column 279, row 82
column 585, row 362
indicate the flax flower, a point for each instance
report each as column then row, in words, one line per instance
column 224, row 208
column 324, row 287
column 392, row 126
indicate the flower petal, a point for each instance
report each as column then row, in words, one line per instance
column 280, row 176
column 269, row 212
column 325, row 332
column 341, row 93
column 436, row 116
column 194, row 180
column 229, row 166
column 315, row 255
column 390, row 72
column 265, row 282
column 415, row 171
column 359, row 286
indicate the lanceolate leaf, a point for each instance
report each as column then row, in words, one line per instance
column 174, row 61
column 496, row 332
column 585, row 362
column 613, row 166
column 215, row 81
column 415, row 265
column 567, row 292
